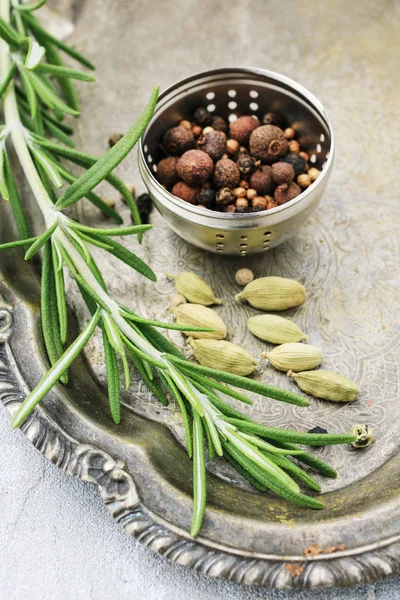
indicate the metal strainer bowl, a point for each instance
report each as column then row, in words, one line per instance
column 230, row 92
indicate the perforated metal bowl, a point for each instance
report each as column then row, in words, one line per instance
column 230, row 92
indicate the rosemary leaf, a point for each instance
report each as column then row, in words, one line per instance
column 95, row 242
column 311, row 439
column 141, row 354
column 210, row 445
column 37, row 29
column 60, row 295
column 254, row 482
column 67, row 86
column 110, row 160
column 296, row 471
column 64, row 72
column 55, row 372
column 270, row 482
column 15, row 200
column 48, row 165
column 243, row 382
column 211, row 383
column 9, row 34
column 310, row 460
column 16, row 243
column 40, row 242
column 184, row 412
column 153, row 385
column 130, row 316
column 114, row 390
column 7, row 79
column 159, row 341
column 199, row 476
column 115, row 231
column 48, row 309
column 108, row 211
column 58, row 133
column 127, row 257
column 29, row 91
column 30, row 6
column 48, row 97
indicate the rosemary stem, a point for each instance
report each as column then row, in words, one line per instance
column 13, row 122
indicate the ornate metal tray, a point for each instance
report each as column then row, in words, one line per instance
column 349, row 265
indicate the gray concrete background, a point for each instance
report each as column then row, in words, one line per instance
column 57, row 540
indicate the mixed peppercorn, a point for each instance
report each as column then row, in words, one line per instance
column 241, row 167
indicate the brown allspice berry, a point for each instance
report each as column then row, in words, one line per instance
column 272, row 118
column 313, row 173
column 260, row 202
column 219, row 124
column 213, row 143
column 294, row 146
column 166, row 171
column 289, row 133
column 225, row 196
column 232, row 146
column 197, row 131
column 185, row 192
column 267, row 143
column 282, row 173
column 241, row 203
column 186, row 124
column 245, row 163
column 251, row 194
column 261, row 180
column 178, row 140
column 239, row 192
column 195, row 167
column 304, row 181
column 286, row 192
column 241, row 129
column 226, row 174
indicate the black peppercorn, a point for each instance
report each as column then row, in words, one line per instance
column 271, row 118
column 145, row 207
column 245, row 163
column 202, row 117
column 317, row 429
column 206, row 197
column 298, row 163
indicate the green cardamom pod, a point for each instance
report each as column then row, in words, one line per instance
column 225, row 356
column 326, row 385
column 295, row 357
column 275, row 329
column 273, row 293
column 194, row 289
column 197, row 315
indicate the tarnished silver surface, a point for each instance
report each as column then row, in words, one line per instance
column 347, row 255
column 229, row 93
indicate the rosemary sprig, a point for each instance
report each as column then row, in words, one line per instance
column 37, row 92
